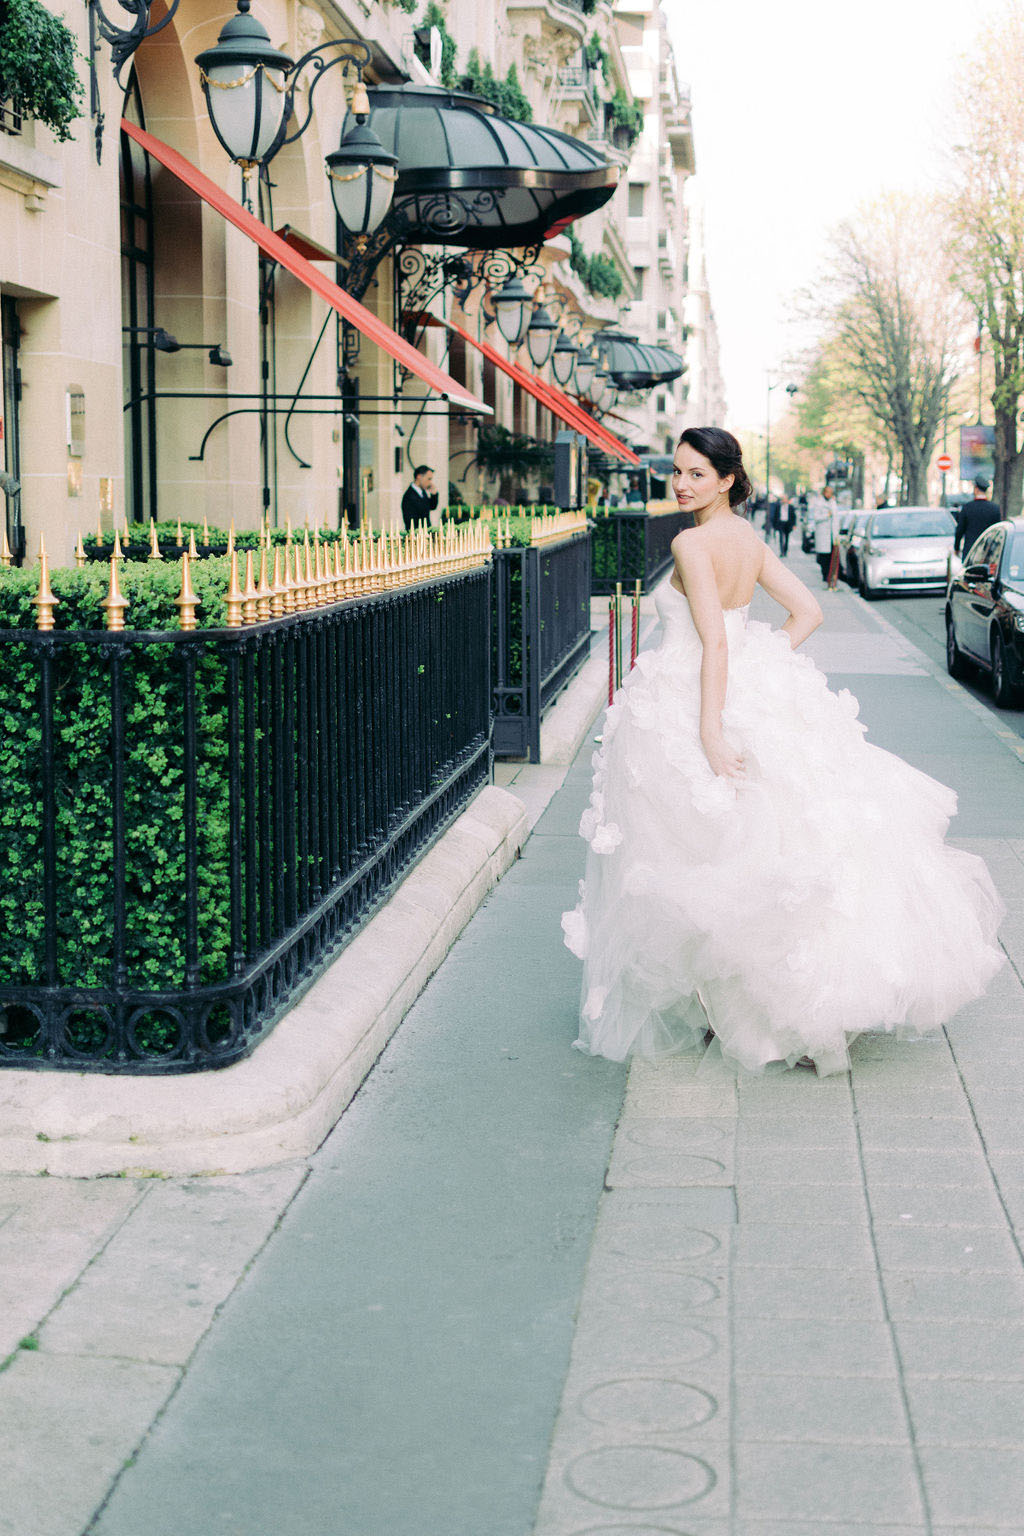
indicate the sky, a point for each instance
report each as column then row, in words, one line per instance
column 802, row 110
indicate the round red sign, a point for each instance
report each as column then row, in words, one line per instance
column 944, row 462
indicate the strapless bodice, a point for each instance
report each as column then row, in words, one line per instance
column 677, row 624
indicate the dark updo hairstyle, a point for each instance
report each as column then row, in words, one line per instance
column 726, row 456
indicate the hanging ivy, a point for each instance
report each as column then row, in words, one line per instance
column 597, row 55
column 506, row 95
column 628, row 113
column 408, row 6
column 598, row 274
column 37, row 65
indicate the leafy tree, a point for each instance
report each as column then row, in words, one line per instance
column 986, row 213
column 37, row 65
column 893, row 327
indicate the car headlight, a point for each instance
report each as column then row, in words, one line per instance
column 1018, row 621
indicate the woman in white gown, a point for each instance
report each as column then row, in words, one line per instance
column 755, row 866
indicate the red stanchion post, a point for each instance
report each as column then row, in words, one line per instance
column 634, row 639
column 611, row 649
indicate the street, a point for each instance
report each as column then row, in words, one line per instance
column 519, row 1290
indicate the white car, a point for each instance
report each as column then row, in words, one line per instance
column 906, row 549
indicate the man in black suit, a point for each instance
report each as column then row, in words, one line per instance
column 975, row 517
column 420, row 498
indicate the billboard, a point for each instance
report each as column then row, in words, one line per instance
column 977, row 452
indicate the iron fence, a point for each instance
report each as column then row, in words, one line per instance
column 632, row 545
column 194, row 823
column 541, row 635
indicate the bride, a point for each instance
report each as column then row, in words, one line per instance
column 755, row 866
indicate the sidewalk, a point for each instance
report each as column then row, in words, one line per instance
column 775, row 1307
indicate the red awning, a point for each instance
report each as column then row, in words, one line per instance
column 559, row 404
column 374, row 329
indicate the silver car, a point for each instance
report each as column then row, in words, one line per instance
column 850, row 540
column 905, row 549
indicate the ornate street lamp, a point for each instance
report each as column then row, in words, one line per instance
column 602, row 390
column 250, row 95
column 563, row 360
column 586, row 367
column 540, row 336
column 512, row 307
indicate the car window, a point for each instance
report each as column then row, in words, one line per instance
column 978, row 554
column 911, row 524
column 1013, row 562
column 995, row 549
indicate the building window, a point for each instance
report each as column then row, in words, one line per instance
column 662, row 319
column 639, row 273
column 636, row 199
column 10, row 118
column 137, row 318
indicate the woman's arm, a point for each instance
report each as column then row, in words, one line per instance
column 804, row 610
column 697, row 576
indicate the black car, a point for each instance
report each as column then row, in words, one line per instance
column 985, row 612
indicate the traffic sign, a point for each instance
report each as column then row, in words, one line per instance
column 944, row 462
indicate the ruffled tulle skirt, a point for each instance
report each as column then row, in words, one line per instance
column 813, row 901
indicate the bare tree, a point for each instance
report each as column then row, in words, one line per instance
column 894, row 326
column 987, row 225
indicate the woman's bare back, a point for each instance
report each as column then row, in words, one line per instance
column 737, row 556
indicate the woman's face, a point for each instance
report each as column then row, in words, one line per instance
column 695, row 482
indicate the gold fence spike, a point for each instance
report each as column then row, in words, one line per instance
column 206, row 530
column 5, row 549
column 308, row 579
column 233, row 596
column 249, row 592
column 287, row 585
column 79, row 551
column 264, row 591
column 231, row 538
column 99, row 527
column 154, row 545
column 118, row 553
column 179, row 537
column 44, row 600
column 186, row 600
column 193, row 553
column 115, row 603
column 276, row 587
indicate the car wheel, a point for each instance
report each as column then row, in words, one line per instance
column 854, row 574
column 956, row 663
column 868, row 593
column 1003, row 691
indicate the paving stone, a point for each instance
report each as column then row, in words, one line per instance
column 914, row 1295
column 964, row 1168
column 917, row 1132
column 989, row 1348
column 799, row 1293
column 826, row 1482
column 973, row 1486
column 819, row 1409
column 763, row 1165
column 912, row 1246
column 965, row 1412
column 67, row 1426
column 804, row 1246
column 799, row 1132
column 832, row 1347
column 835, row 1528
column 938, row 1205
column 824, row 1204
column 1002, row 1133
column 173, row 1262
column 883, row 1099
column 55, row 1227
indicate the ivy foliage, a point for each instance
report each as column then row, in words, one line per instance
column 37, row 65
column 598, row 273
column 627, row 112
column 154, row 784
column 506, row 95
column 597, row 56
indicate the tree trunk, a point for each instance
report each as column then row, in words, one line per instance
column 1009, row 473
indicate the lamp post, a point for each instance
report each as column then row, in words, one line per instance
column 563, row 360
column 587, row 363
column 513, row 306
column 540, row 336
column 250, row 88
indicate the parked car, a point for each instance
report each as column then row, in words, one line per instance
column 985, row 612
column 905, row 549
column 850, row 539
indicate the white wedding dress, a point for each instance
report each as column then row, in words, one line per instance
column 790, row 911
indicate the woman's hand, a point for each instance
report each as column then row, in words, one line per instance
column 725, row 761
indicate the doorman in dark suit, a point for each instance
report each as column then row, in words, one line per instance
column 975, row 517
column 420, row 498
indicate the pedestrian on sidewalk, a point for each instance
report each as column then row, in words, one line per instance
column 754, row 864
column 419, row 499
column 787, row 522
column 975, row 517
column 822, row 514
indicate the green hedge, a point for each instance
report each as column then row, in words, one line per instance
column 154, row 785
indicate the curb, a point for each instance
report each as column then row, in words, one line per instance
column 284, row 1099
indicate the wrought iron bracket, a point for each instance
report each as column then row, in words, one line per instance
column 122, row 42
column 353, row 51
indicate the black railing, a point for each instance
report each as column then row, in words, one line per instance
column 541, row 636
column 632, row 545
column 194, row 823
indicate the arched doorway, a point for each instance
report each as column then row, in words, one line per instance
column 138, row 318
